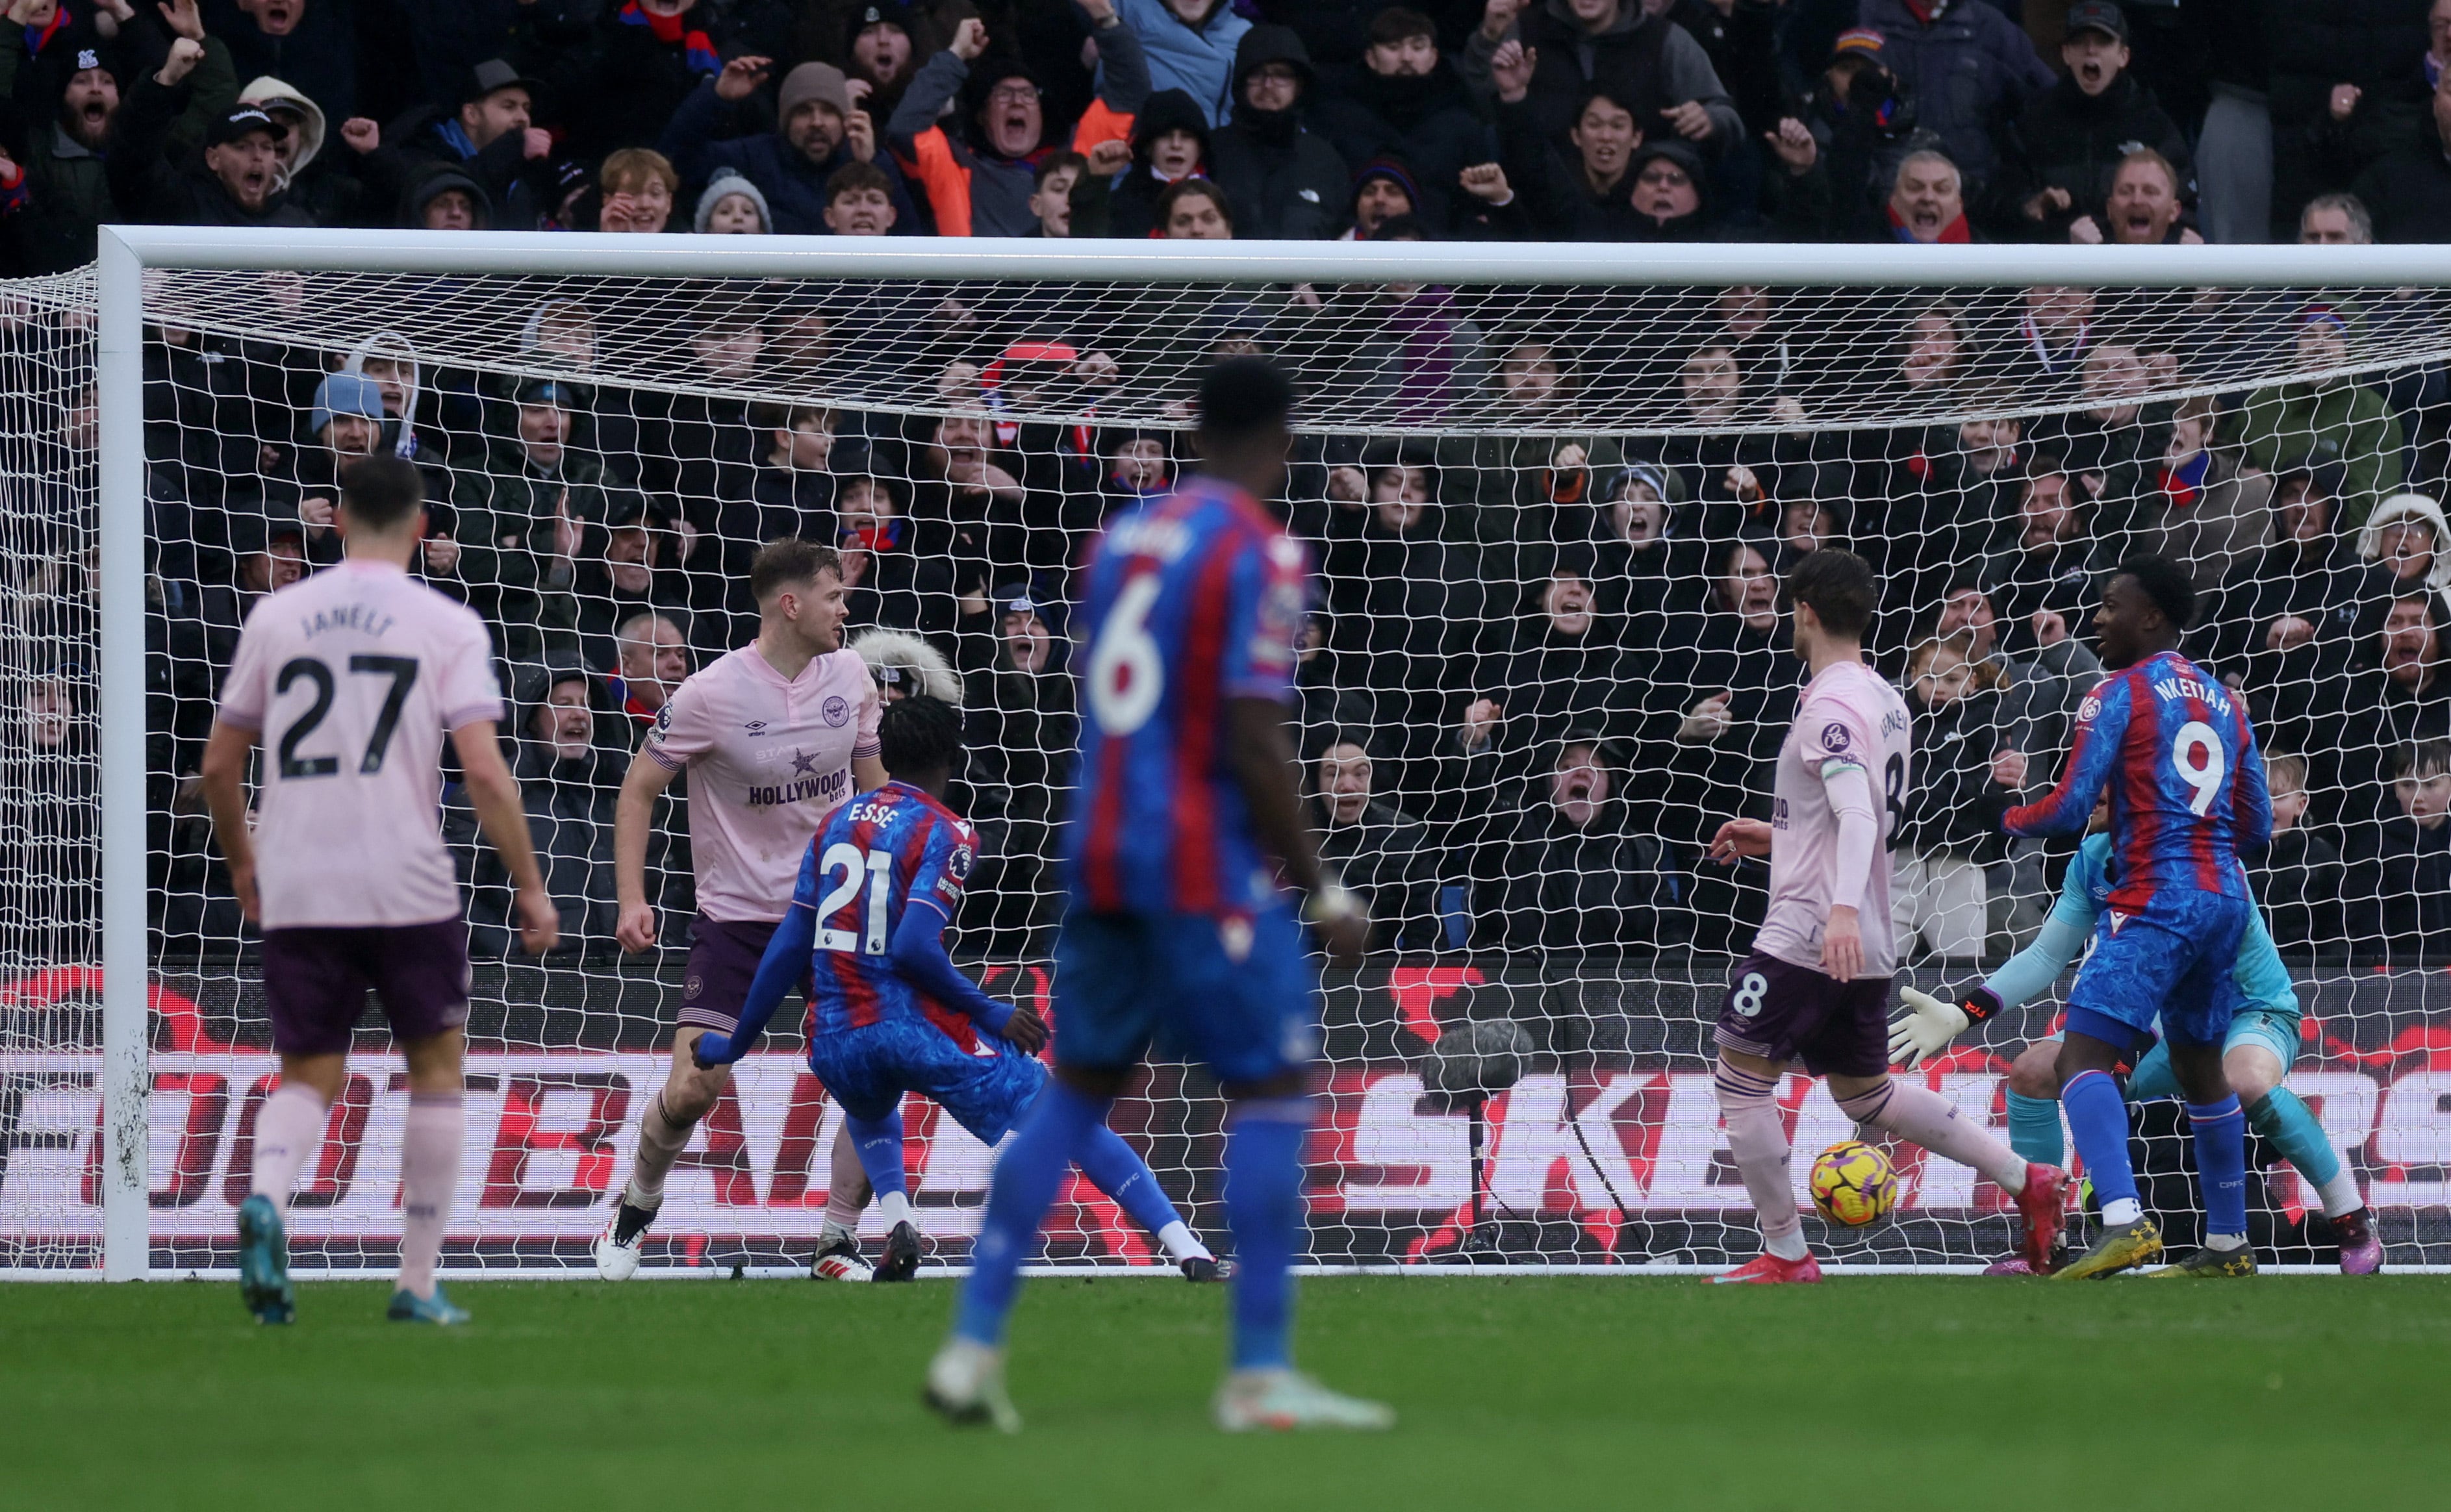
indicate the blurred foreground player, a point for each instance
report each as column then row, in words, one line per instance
column 889, row 1014
column 774, row 735
column 1816, row 987
column 354, row 674
column 2176, row 753
column 1187, row 806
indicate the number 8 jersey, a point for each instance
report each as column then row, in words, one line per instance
column 1188, row 601
column 2186, row 781
column 1848, row 718
column 352, row 678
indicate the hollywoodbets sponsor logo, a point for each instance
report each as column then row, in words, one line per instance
column 827, row 788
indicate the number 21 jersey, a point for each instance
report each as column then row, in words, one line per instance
column 1189, row 601
column 353, row 676
column 1847, row 717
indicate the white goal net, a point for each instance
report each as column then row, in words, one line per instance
column 1544, row 660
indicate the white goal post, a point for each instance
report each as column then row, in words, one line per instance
column 134, row 261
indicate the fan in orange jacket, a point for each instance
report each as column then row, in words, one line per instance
column 979, row 174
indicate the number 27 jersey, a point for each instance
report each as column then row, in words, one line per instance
column 1191, row 601
column 1848, row 715
column 352, row 677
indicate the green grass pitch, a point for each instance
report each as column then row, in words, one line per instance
column 1648, row 1393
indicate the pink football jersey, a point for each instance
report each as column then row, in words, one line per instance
column 767, row 759
column 353, row 676
column 1849, row 715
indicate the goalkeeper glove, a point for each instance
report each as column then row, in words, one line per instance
column 1929, row 1024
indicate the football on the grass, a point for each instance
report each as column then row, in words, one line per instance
column 1853, row 1184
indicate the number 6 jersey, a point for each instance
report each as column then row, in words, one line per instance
column 1189, row 601
column 1849, row 717
column 2186, row 782
column 352, row 678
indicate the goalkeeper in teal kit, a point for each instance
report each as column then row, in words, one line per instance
column 2262, row 1043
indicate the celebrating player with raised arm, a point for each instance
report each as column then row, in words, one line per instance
column 2186, row 789
column 356, row 674
column 1186, row 809
column 2256, row 1054
column 889, row 1014
column 774, row 735
column 1816, row 987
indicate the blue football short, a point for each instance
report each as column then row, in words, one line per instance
column 867, row 1070
column 1236, row 993
column 2176, row 959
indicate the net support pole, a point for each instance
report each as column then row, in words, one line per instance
column 126, row 1078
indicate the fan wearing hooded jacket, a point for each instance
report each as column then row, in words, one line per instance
column 978, row 177
column 1283, row 181
column 1169, row 141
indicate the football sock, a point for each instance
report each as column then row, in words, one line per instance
column 1922, row 1116
column 2097, row 1116
column 1113, row 1168
column 2034, row 1129
column 1758, row 1143
column 1182, row 1244
column 429, row 1175
column 2286, row 1122
column 288, row 1129
column 2341, row 1196
column 661, row 1139
column 2220, row 1166
column 846, row 1190
column 1027, row 1176
column 1263, row 1206
column 879, row 1142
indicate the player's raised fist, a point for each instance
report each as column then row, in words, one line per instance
column 636, row 929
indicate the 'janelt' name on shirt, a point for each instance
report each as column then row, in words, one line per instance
column 365, row 619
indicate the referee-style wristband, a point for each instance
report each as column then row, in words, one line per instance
column 1980, row 1003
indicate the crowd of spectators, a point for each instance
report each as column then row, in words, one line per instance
column 1542, row 665
column 1582, row 119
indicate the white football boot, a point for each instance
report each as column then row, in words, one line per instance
column 616, row 1261
column 965, row 1384
column 840, row 1261
column 1280, row 1400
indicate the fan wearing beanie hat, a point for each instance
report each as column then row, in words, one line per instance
column 818, row 131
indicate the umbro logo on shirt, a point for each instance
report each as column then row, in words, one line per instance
column 754, row 727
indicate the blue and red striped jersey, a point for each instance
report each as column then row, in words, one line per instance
column 872, row 859
column 2186, row 782
column 1187, row 601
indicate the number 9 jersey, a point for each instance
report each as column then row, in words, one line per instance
column 1188, row 601
column 352, row 677
column 2186, row 782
